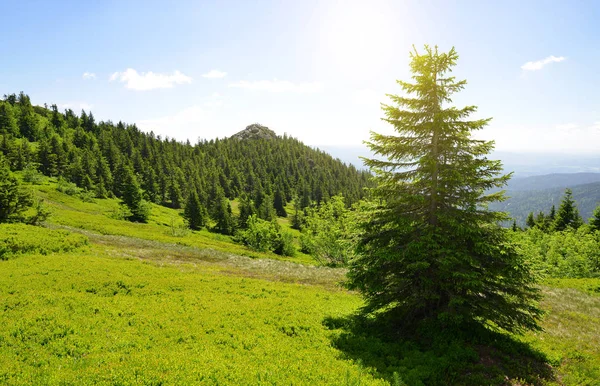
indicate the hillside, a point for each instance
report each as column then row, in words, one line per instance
column 98, row 156
column 522, row 201
column 549, row 181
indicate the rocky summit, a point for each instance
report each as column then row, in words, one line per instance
column 255, row 131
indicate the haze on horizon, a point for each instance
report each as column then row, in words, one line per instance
column 317, row 70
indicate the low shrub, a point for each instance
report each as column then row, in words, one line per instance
column 17, row 239
column 266, row 236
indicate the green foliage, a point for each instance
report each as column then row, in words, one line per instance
column 327, row 232
column 21, row 239
column 67, row 187
column 569, row 253
column 279, row 204
column 40, row 214
column 246, row 209
column 32, row 175
column 428, row 247
column 567, row 215
column 195, row 213
column 266, row 236
column 132, row 197
column 595, row 220
column 13, row 199
column 223, row 217
column 8, row 122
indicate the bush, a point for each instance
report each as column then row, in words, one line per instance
column 87, row 196
column 40, row 214
column 284, row 245
column 266, row 236
column 67, row 187
column 327, row 231
column 32, row 175
column 568, row 254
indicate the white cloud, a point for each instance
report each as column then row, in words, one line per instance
column 538, row 65
column 88, row 75
column 567, row 126
column 214, row 74
column 278, row 86
column 149, row 80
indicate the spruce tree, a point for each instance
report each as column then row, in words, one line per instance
column 552, row 215
column 595, row 220
column 279, row 203
column 133, row 198
column 223, row 217
column 8, row 122
column 195, row 213
column 247, row 209
column 567, row 214
column 13, row 200
column 429, row 250
column 530, row 222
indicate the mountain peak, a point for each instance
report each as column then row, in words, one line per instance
column 255, row 131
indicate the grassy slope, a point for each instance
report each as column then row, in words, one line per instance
column 165, row 224
column 144, row 307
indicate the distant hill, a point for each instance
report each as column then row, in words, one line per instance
column 522, row 201
column 556, row 180
column 522, row 164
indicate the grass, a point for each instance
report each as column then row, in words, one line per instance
column 101, row 317
column 165, row 224
column 97, row 300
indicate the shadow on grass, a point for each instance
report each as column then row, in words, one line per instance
column 437, row 357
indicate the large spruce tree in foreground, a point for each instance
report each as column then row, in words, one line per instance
column 429, row 249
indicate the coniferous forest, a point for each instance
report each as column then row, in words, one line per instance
column 119, row 160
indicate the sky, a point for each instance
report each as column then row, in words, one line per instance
column 316, row 70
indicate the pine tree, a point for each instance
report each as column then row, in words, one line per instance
column 552, row 215
column 8, row 122
column 595, row 220
column 279, row 203
column 223, row 217
column 247, row 209
column 530, row 222
column 195, row 213
column 429, row 250
column 132, row 197
column 567, row 215
column 514, row 226
column 542, row 221
column 13, row 200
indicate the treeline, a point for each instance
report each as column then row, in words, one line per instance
column 559, row 243
column 120, row 160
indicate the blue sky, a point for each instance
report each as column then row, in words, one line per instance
column 314, row 69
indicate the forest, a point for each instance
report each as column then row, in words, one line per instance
column 400, row 274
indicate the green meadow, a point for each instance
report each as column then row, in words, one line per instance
column 91, row 299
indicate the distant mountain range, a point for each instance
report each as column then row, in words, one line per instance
column 539, row 180
column 539, row 193
column 522, row 164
